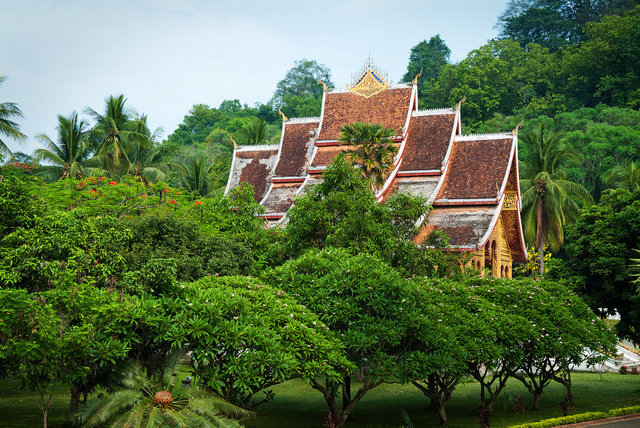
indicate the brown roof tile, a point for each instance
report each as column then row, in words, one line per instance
column 388, row 108
column 464, row 226
column 256, row 171
column 280, row 198
column 428, row 141
column 325, row 155
column 476, row 168
column 294, row 148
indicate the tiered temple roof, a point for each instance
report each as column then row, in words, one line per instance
column 471, row 180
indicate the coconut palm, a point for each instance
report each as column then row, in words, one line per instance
column 145, row 154
column 115, row 130
column 196, row 177
column 624, row 176
column 373, row 150
column 254, row 132
column 549, row 200
column 9, row 128
column 157, row 400
column 69, row 151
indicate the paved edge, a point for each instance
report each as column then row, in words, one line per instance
column 603, row 421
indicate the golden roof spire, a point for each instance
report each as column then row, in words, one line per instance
column 515, row 131
column 369, row 81
column 415, row 79
column 284, row 118
column 324, row 85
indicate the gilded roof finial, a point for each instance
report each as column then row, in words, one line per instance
column 460, row 102
column 515, row 131
column 284, row 118
column 235, row 145
column 324, row 85
column 369, row 81
column 415, row 79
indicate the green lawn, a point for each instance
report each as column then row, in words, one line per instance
column 298, row 406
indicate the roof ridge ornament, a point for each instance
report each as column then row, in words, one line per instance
column 515, row 130
column 325, row 88
column 460, row 102
column 284, row 118
column 415, row 79
column 235, row 145
column 369, row 81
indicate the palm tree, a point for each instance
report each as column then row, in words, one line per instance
column 157, row 400
column 196, row 178
column 624, row 176
column 114, row 131
column 9, row 128
column 255, row 131
column 374, row 150
column 144, row 154
column 70, row 150
column 549, row 200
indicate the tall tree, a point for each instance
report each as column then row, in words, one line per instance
column 373, row 150
column 300, row 88
column 549, row 201
column 9, row 128
column 113, row 133
column 427, row 58
column 254, row 131
column 624, row 176
column 69, row 151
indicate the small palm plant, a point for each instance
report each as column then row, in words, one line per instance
column 156, row 400
column 373, row 151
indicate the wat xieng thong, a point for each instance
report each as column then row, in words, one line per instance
column 471, row 181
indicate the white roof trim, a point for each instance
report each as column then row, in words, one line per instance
column 492, row 225
column 456, row 125
column 478, row 137
column 506, row 176
column 266, row 194
column 258, row 148
column 412, row 100
column 434, row 112
column 233, row 164
column 345, row 90
column 467, row 200
column 388, row 182
column 296, row 120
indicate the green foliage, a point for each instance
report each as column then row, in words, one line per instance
column 156, row 400
column 342, row 212
column 9, row 128
column 17, row 207
column 427, row 58
column 246, row 336
column 374, row 312
column 69, row 152
column 62, row 335
column 373, row 150
column 580, row 417
column 161, row 244
column 600, row 247
column 300, row 92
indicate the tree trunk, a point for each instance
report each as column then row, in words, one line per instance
column 442, row 412
column 536, row 400
column 540, row 233
column 75, row 399
column 346, row 391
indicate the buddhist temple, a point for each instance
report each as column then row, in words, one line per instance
column 471, row 181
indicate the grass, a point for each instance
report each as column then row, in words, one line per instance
column 297, row 405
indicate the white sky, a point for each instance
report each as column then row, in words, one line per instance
column 166, row 56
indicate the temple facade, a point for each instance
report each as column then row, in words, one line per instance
column 471, row 181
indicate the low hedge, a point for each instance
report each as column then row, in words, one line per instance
column 580, row 417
